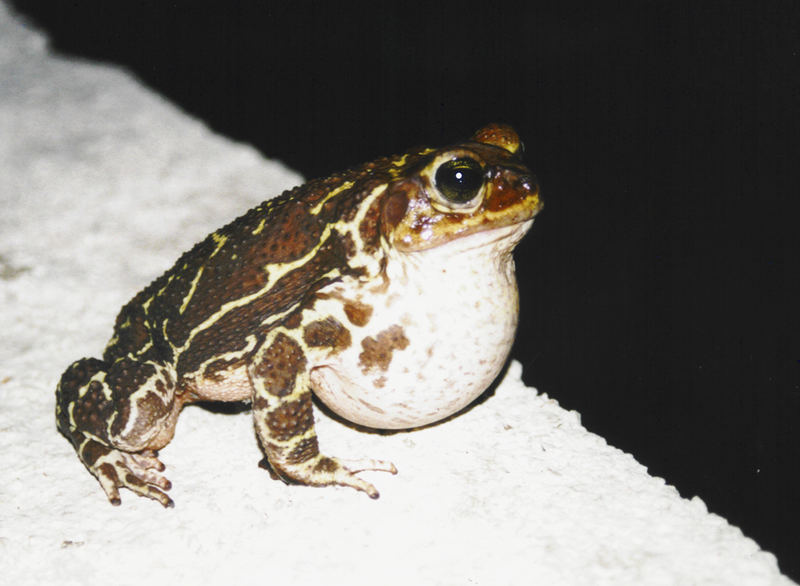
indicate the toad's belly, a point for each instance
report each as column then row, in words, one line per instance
column 425, row 355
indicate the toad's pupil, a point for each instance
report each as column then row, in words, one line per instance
column 460, row 180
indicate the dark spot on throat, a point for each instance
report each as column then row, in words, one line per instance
column 358, row 313
column 377, row 352
column 328, row 332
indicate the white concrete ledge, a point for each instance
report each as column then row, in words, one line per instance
column 102, row 185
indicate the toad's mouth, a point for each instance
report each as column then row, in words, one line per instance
column 499, row 238
column 432, row 232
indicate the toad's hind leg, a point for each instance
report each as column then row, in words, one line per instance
column 284, row 421
column 116, row 415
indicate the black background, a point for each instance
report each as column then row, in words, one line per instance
column 659, row 286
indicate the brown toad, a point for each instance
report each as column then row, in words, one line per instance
column 388, row 290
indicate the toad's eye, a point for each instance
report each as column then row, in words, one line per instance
column 460, row 180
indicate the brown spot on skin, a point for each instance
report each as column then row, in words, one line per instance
column 260, row 403
column 358, row 313
column 291, row 419
column 92, row 451
column 329, row 333
column 304, row 450
column 109, row 471
column 132, row 480
column 280, row 365
column 293, row 321
column 326, row 465
column 395, row 208
column 378, row 351
column 380, row 382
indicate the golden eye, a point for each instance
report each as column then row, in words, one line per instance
column 460, row 180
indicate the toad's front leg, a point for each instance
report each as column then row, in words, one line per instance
column 284, row 420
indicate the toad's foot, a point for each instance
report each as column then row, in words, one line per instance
column 325, row 471
column 114, row 469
